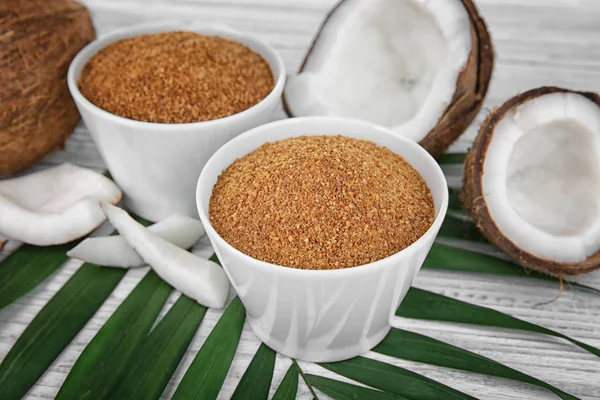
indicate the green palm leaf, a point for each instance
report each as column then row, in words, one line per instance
column 288, row 388
column 27, row 267
column 455, row 259
column 422, row 304
column 206, row 374
column 454, row 203
column 452, row 158
column 415, row 347
column 156, row 359
column 394, row 380
column 346, row 391
column 256, row 381
column 127, row 360
column 105, row 358
column 450, row 258
column 301, row 373
column 457, row 228
column 54, row 327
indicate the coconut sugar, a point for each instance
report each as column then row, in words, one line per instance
column 321, row 202
column 176, row 77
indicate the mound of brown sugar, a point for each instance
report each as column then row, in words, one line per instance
column 321, row 202
column 175, row 77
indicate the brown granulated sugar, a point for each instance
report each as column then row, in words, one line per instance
column 321, row 202
column 175, row 77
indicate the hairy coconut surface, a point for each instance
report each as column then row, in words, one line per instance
column 470, row 87
column 551, row 180
column 38, row 39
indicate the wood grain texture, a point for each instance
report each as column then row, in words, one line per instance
column 538, row 42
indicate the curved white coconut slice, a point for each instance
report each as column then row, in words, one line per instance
column 54, row 206
column 536, row 184
column 114, row 251
column 195, row 277
column 391, row 62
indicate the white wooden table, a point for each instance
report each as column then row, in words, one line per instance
column 538, row 42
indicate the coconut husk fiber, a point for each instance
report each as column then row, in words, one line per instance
column 38, row 40
column 471, row 88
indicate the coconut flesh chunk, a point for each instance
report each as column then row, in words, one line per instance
column 541, row 177
column 195, row 277
column 392, row 62
column 114, row 251
column 54, row 206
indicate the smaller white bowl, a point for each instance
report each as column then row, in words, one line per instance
column 315, row 315
column 157, row 165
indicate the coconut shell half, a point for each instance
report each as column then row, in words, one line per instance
column 38, row 40
column 474, row 196
column 471, row 86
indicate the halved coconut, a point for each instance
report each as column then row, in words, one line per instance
column 532, row 180
column 419, row 67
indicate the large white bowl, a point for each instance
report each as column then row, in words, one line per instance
column 322, row 315
column 157, row 165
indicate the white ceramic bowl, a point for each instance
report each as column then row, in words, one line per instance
column 317, row 315
column 157, row 165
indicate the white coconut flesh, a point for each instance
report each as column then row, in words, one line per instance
column 54, row 206
column 195, row 277
column 541, row 179
column 113, row 251
column 391, row 62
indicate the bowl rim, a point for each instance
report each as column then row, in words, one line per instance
column 261, row 47
column 319, row 273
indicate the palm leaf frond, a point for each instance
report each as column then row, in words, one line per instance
column 156, row 359
column 256, row 381
column 27, row 267
column 422, row 304
column 54, row 327
column 415, row 347
column 395, row 380
column 105, row 358
column 206, row 374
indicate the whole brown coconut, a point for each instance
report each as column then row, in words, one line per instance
column 38, row 40
column 471, row 86
column 474, row 201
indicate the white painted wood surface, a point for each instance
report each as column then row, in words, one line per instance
column 538, row 42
